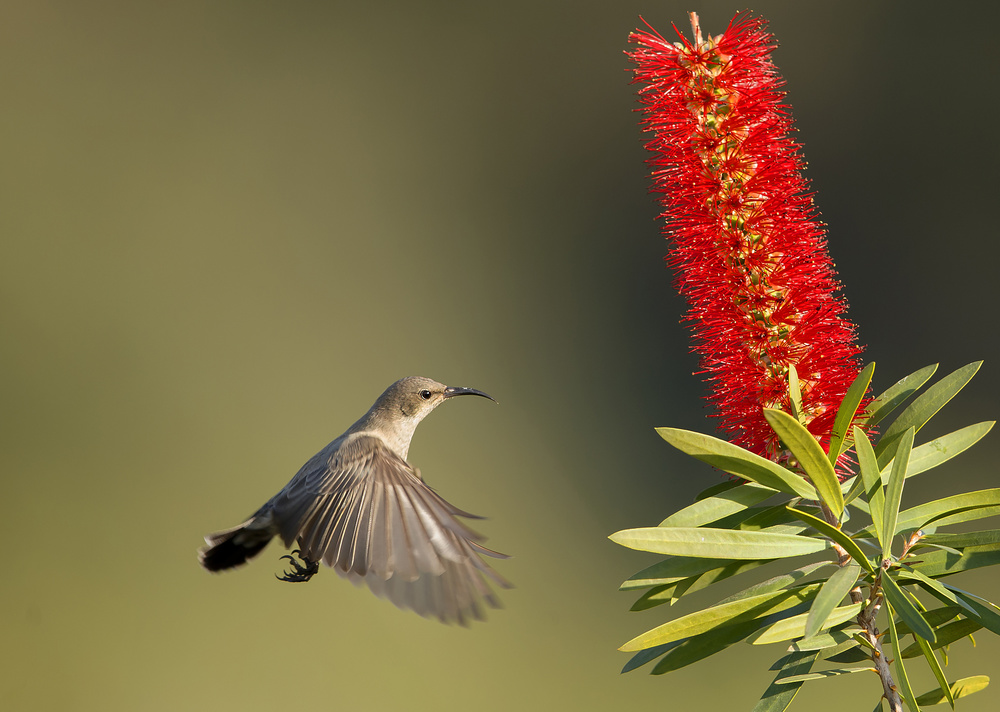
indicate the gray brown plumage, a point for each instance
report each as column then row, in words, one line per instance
column 360, row 508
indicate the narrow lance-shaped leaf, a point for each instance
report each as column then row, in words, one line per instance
column 931, row 454
column 872, row 478
column 670, row 570
column 849, row 652
column 795, row 626
column 848, row 408
column 958, row 507
column 946, row 635
column 852, row 488
column 973, row 608
column 721, row 505
column 811, row 457
column 673, row 570
column 840, row 638
column 795, row 393
column 717, row 488
column 776, row 583
column 894, row 396
column 830, row 596
column 935, row 617
column 833, row 672
column 777, row 697
column 904, row 681
column 924, row 407
column 737, row 461
column 848, row 544
column 671, row 592
column 894, row 492
column 705, row 620
column 980, row 538
column 718, row 543
column 908, row 612
column 938, row 590
column 699, row 647
column 960, row 688
column 646, row 656
column 935, row 667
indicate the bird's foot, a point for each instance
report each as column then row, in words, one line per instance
column 299, row 573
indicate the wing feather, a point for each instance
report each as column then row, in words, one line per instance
column 362, row 510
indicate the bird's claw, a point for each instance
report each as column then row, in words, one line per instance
column 298, row 573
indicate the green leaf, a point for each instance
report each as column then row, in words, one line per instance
column 960, row 506
column 675, row 569
column 647, row 656
column 852, row 487
column 931, row 454
column 657, row 596
column 937, row 589
column 718, row 543
column 769, row 518
column 934, row 617
column 715, row 575
column 705, row 645
column 830, row 596
column 811, row 457
column 859, row 504
column 973, row 608
column 737, row 461
column 960, row 688
column 845, row 414
column 904, row 607
column 872, row 478
column 946, row 635
column 965, row 515
column 924, row 407
column 935, row 666
column 848, row 544
column 986, row 614
column 930, row 545
column 711, row 509
column 777, row 583
column 795, row 626
column 670, row 570
column 718, row 488
column 827, row 639
column 855, row 654
column 905, row 387
column 904, row 681
column 725, row 614
column 894, row 491
column 833, row 672
column 777, row 698
column 960, row 541
column 794, row 393
column 672, row 592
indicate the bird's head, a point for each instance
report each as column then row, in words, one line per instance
column 412, row 398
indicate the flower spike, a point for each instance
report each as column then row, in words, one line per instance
column 747, row 247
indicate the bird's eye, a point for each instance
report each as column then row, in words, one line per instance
column 425, row 394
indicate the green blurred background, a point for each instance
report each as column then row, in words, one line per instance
column 226, row 227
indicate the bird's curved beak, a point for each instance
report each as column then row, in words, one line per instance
column 460, row 391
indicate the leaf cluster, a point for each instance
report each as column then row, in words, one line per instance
column 859, row 559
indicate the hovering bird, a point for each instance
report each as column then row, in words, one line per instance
column 360, row 508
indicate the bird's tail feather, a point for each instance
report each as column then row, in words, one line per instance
column 233, row 547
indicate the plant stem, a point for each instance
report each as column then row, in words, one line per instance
column 866, row 619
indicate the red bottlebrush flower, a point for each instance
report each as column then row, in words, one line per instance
column 747, row 247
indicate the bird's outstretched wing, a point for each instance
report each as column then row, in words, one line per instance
column 366, row 513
